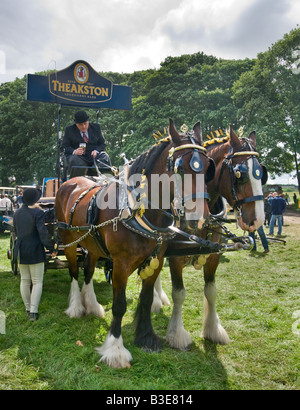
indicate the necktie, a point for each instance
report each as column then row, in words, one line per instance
column 85, row 138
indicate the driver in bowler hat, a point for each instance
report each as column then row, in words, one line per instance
column 82, row 131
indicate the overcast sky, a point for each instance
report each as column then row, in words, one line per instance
column 131, row 35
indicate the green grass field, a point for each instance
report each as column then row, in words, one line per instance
column 258, row 304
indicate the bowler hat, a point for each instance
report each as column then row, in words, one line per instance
column 80, row 117
column 31, row 196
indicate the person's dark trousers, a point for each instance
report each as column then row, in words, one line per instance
column 263, row 238
column 102, row 159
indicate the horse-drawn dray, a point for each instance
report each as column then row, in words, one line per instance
column 168, row 202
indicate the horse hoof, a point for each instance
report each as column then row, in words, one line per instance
column 149, row 344
column 217, row 335
column 114, row 354
column 97, row 311
column 179, row 339
column 75, row 313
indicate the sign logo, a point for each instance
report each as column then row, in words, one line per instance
column 81, row 73
column 80, row 83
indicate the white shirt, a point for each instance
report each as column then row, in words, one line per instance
column 5, row 202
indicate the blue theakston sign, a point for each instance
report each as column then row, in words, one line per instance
column 79, row 85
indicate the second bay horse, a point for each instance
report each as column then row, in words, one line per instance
column 239, row 178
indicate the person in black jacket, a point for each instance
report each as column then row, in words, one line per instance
column 278, row 205
column 81, row 133
column 32, row 237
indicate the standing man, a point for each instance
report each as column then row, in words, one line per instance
column 278, row 205
column 83, row 142
column 5, row 202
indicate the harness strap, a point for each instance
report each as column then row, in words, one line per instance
column 82, row 195
column 197, row 195
column 227, row 162
column 249, row 199
column 64, row 225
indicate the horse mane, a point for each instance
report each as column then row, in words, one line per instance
column 217, row 147
column 144, row 163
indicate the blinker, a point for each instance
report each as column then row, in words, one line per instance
column 196, row 163
column 241, row 173
column 257, row 171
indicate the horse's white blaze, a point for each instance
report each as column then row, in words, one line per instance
column 177, row 336
column 76, row 308
column 257, row 190
column 89, row 300
column 259, row 205
column 212, row 328
column 113, row 352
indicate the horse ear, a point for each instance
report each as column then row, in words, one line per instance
column 198, row 132
column 252, row 138
column 176, row 138
column 234, row 140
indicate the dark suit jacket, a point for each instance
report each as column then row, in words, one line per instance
column 73, row 138
column 32, row 235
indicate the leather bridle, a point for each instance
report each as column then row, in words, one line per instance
column 196, row 164
column 259, row 172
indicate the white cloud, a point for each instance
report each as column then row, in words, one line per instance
column 130, row 35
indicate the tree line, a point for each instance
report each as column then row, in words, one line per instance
column 259, row 94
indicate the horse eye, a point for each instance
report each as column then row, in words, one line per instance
column 178, row 167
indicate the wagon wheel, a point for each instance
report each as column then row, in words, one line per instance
column 14, row 264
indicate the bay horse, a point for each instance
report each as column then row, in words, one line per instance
column 110, row 238
column 238, row 178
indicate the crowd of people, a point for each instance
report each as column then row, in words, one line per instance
column 11, row 202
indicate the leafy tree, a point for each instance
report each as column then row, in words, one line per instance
column 261, row 94
column 268, row 99
column 27, row 137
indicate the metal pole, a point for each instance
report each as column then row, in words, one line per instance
column 58, row 147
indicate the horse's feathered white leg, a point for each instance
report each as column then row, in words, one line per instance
column 156, row 304
column 113, row 352
column 159, row 297
column 161, row 294
column 177, row 336
column 212, row 328
column 76, row 308
column 90, row 301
